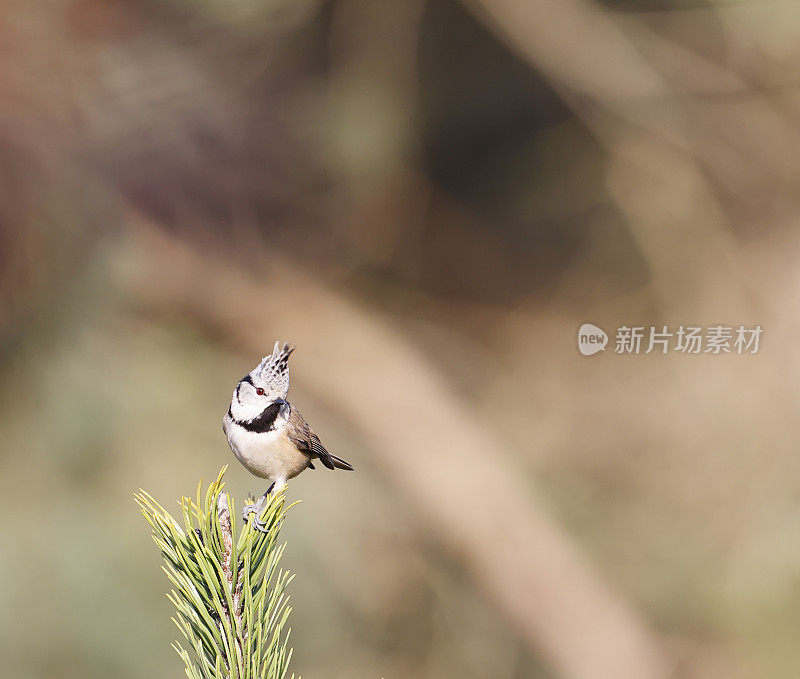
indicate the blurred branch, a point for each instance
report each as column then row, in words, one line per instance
column 373, row 49
column 669, row 152
column 625, row 68
column 608, row 70
column 468, row 487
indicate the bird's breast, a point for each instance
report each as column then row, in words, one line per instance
column 268, row 455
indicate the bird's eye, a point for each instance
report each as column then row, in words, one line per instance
column 260, row 391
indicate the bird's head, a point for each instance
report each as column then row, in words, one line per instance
column 266, row 384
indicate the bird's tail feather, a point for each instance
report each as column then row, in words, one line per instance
column 339, row 463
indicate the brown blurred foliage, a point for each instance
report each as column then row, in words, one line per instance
column 428, row 198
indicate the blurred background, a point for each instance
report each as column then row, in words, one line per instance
column 428, row 198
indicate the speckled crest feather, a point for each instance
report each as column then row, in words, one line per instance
column 273, row 371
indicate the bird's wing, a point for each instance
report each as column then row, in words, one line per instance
column 306, row 440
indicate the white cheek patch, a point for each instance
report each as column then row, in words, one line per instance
column 245, row 405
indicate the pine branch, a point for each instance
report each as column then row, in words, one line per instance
column 229, row 594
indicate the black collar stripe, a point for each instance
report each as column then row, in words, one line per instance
column 263, row 423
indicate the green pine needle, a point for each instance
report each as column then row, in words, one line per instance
column 229, row 594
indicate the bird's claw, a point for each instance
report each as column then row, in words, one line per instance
column 248, row 509
column 255, row 508
column 258, row 524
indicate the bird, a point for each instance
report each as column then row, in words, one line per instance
column 267, row 434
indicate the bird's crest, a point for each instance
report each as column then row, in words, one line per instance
column 273, row 370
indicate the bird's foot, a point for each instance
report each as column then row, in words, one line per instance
column 248, row 508
column 255, row 508
column 258, row 524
